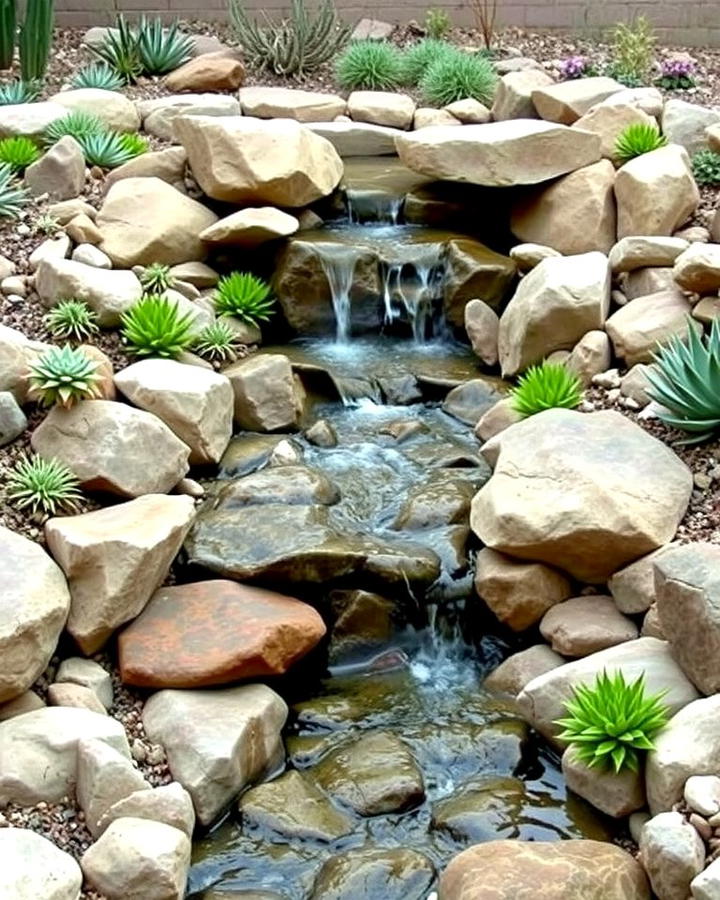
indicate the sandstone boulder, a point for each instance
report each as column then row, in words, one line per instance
column 267, row 396
column 33, row 867
column 469, row 111
column 520, row 668
column 291, row 103
column 609, row 120
column 698, row 268
column 567, row 101
column 88, row 674
column 637, row 328
column 169, row 803
column 159, row 115
column 396, row 874
column 615, row 794
column 672, row 854
column 168, row 165
column 108, row 293
column 113, row 108
column 513, row 97
column 59, row 173
column 357, row 138
column 583, row 625
column 208, row 72
column 381, row 108
column 590, row 356
column 481, row 326
column 74, row 695
column 251, row 227
column 685, row 123
column 633, row 587
column 29, row 119
column 637, row 252
column 13, row 420
column 104, row 776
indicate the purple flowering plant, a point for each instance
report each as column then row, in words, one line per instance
column 677, row 74
column 576, row 67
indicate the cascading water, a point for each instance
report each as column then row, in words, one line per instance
column 338, row 262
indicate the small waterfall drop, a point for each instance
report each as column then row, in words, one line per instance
column 338, row 262
column 376, row 207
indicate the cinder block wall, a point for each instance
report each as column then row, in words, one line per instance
column 690, row 22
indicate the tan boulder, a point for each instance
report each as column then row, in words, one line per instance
column 469, row 111
column 246, row 160
column 527, row 256
column 24, row 703
column 583, row 625
column 500, row 154
column 590, row 356
column 656, row 192
column 115, row 558
column 651, row 280
column 649, row 99
column 513, row 96
column 698, row 268
column 575, row 214
column 59, row 173
column 426, row 117
column 587, row 492
column 566, row 101
column 83, row 230
column 34, row 604
column 381, row 108
column 169, row 803
column 481, row 325
column 113, row 108
column 513, row 673
column 500, row 416
column 609, row 121
column 112, row 447
column 159, row 114
column 685, row 123
column 74, row 695
column 167, row 165
column 104, row 776
column 267, row 396
column 640, row 252
column 29, row 119
column 558, row 302
column 707, row 309
column 251, row 227
column 673, row 854
column 472, row 270
column 33, row 867
column 357, row 138
column 637, row 328
column 145, row 220
column 207, row 72
column 615, row 794
column 89, row 674
column 633, row 587
column 291, row 103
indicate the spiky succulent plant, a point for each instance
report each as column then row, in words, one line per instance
column 63, row 376
column 685, row 380
column 369, row 65
column 156, row 278
column 120, row 51
column 72, row 320
column 109, row 149
column 98, row 75
column 12, row 197
column 244, row 296
column 217, row 342
column 77, row 124
column 18, row 152
column 546, row 386
column 18, row 91
column 611, row 722
column 706, row 167
column 637, row 139
column 154, row 326
column 457, row 75
column 162, row 48
column 43, row 485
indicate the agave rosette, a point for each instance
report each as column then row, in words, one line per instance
column 63, row 375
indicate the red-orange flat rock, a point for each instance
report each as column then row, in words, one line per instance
column 215, row 632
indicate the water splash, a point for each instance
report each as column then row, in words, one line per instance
column 339, row 262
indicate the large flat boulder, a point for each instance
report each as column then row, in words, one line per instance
column 115, row 558
column 290, row 103
column 159, row 114
column 33, row 867
column 251, row 227
column 252, row 161
column 585, row 492
column 357, row 138
column 29, row 119
column 558, row 302
column 113, row 108
column 499, row 154
column 34, row 604
column 216, row 741
column 566, row 101
column 215, row 632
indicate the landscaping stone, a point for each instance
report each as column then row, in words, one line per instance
column 615, row 794
column 590, row 356
column 527, row 256
column 472, row 270
column 169, row 803
column 698, row 268
column 115, row 558
column 542, row 700
column 83, row 230
column 113, row 108
column 560, row 300
column 26, row 702
column 706, row 884
column 381, row 108
column 33, row 868
column 207, row 72
column 216, row 741
column 145, row 220
column 65, row 210
column 468, row 401
column 586, row 492
column 39, row 751
column 706, row 310
column 12, row 419
column 372, row 30
column 159, row 114
column 197, row 274
column 195, row 404
column 29, row 119
column 248, row 161
column 517, row 670
column 267, row 396
column 426, row 117
column 291, row 103
column 108, row 294
column 656, row 192
column 518, row 593
column 567, row 101
column 469, row 111
column 687, row 590
column 14, row 363
column 685, row 123
column 635, row 384
column 251, row 227
column 481, row 325
column 104, row 776
column 56, row 247
column 651, row 280
column 393, row 874
column 672, row 854
column 584, row 625
column 294, row 808
column 135, row 859
column 168, row 165
column 440, row 501
column 632, row 253
column 482, row 809
column 633, row 587
column 513, row 96
column 88, row 674
column 509, row 870
column 500, row 154
column 357, row 138
column 281, row 482
column 59, row 173
column 112, row 447
column 609, row 121
column 637, row 328
column 74, row 695
column 575, row 214
column 215, row 632
column 649, row 99
column 89, row 255
column 702, row 794
column 34, row 604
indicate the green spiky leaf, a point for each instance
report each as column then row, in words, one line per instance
column 370, row 66
column 78, row 124
column 244, row 296
column 154, row 326
column 637, row 139
column 12, row 197
column 15, row 92
column 18, row 152
column 63, row 376
column 43, row 485
column 162, row 48
column 546, row 386
column 156, row 278
column 98, row 75
column 71, row 320
column 217, row 342
column 109, row 149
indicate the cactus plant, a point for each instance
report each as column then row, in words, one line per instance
column 36, row 39
column 7, row 33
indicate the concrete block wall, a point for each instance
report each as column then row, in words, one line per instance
column 689, row 22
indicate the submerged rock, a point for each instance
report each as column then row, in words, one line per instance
column 292, row 485
column 397, row 874
column 483, row 810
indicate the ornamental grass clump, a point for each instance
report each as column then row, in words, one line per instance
column 72, row 320
column 636, row 140
column 244, row 296
column 77, row 124
column 546, row 386
column 370, row 66
column 610, row 723
column 43, row 486
column 633, row 52
column 154, row 326
column 706, row 167
column 63, row 376
column 12, row 197
column 416, row 59
column 217, row 342
column 156, row 278
column 685, row 381
column 457, row 76
column 18, row 152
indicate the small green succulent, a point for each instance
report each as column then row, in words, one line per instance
column 18, row 152
column 457, row 75
column 109, row 149
column 12, row 197
column 16, row 92
column 156, row 278
column 416, row 60
column 609, row 723
column 369, row 65
column 154, row 326
column 43, row 485
column 120, row 51
column 63, row 376
column 72, row 320
column 46, row 224
column 244, row 296
column 162, row 48
column 546, row 386
column 637, row 139
column 217, row 342
column 706, row 167
column 98, row 75
column 77, row 124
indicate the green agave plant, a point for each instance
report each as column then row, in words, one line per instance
column 162, row 48
column 457, row 75
column 43, row 485
column 685, row 380
column 109, row 149
column 12, row 197
column 63, row 375
column 217, row 342
column 154, row 326
column 72, row 320
column 417, row 59
column 637, row 139
column 156, row 278
column 706, row 167
column 245, row 296
column 611, row 722
column 18, row 152
column 77, row 124
column 120, row 51
column 546, row 386
column 98, row 75
column 369, row 65
column 18, row 91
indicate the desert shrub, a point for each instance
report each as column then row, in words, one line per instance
column 637, row 139
column 244, row 296
column 43, row 486
column 437, row 23
column 154, row 326
column 456, row 76
column 546, row 386
column 63, row 376
column 369, row 65
column 632, row 52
